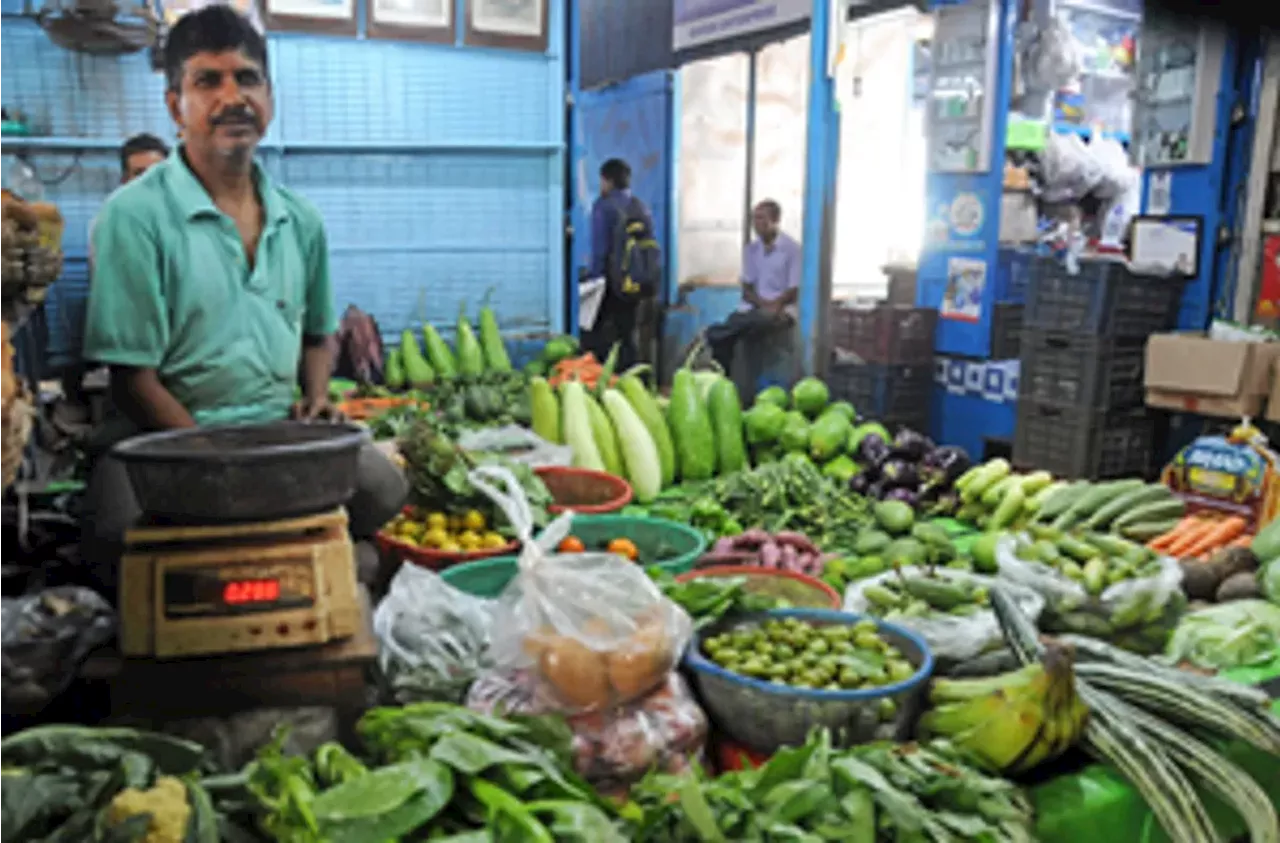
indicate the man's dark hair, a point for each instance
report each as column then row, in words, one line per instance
column 141, row 143
column 617, row 172
column 213, row 29
column 772, row 208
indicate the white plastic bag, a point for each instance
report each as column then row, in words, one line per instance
column 952, row 638
column 518, row 444
column 1137, row 614
column 1068, row 170
column 433, row 639
column 593, row 628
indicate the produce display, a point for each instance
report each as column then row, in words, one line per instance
column 800, row 654
column 439, row 485
column 786, row 551
column 1097, row 584
column 1137, row 713
column 879, row 792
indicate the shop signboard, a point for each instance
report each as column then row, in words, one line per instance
column 699, row 22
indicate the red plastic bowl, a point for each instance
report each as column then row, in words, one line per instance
column 583, row 490
column 825, row 597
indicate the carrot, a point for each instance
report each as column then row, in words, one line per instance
column 1163, row 541
column 1242, row 541
column 1225, row 530
column 1187, row 538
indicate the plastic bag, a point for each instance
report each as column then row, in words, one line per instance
column 593, row 627
column 1136, row 614
column 1117, row 175
column 45, row 637
column 952, row 638
column 1242, row 633
column 664, row 730
column 1068, row 170
column 433, row 640
column 518, row 444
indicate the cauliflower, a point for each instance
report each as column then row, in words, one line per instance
column 167, row 804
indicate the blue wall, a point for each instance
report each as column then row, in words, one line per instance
column 439, row 169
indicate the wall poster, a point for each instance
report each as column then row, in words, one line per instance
column 966, row 281
column 515, row 24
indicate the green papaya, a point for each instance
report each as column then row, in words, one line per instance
column 810, row 396
column 763, row 423
column 774, row 395
column 795, row 436
column 828, row 436
column 417, row 371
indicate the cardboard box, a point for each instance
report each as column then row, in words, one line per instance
column 1195, row 374
column 1273, row 402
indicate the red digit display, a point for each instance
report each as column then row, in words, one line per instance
column 240, row 592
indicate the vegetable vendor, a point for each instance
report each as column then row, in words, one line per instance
column 771, row 269
column 211, row 282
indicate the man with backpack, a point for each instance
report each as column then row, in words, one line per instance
column 626, row 255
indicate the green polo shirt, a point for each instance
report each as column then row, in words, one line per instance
column 173, row 291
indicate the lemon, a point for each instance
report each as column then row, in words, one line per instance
column 450, row 547
column 435, row 537
column 468, row 540
column 473, row 520
column 437, row 520
column 492, row 541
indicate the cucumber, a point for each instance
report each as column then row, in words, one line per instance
column 1033, row 483
column 1121, row 504
column 1161, row 510
column 1010, row 507
column 1093, row 499
column 1145, row 531
column 995, row 493
column 1061, row 500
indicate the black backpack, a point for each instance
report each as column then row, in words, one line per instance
column 635, row 264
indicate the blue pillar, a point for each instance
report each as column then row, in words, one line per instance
column 821, row 163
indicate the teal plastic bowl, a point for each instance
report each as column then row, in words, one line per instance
column 669, row 545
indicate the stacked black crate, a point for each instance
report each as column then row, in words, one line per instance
column 882, row 362
column 1080, row 396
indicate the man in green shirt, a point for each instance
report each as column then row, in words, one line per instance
column 211, row 283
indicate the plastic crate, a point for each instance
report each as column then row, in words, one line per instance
column 889, row 334
column 1006, row 330
column 1013, row 268
column 1083, row 442
column 1082, row 371
column 891, row 394
column 1103, row 299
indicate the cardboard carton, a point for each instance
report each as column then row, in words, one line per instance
column 1195, row 374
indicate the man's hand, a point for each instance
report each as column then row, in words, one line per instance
column 315, row 409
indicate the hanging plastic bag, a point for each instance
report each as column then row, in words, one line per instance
column 664, row 730
column 1138, row 614
column 956, row 636
column 593, row 627
column 433, row 639
column 1117, row 174
column 518, row 444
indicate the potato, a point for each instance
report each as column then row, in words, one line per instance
column 1241, row 586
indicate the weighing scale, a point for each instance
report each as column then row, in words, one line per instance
column 214, row 589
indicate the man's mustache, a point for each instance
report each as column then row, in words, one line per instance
column 236, row 117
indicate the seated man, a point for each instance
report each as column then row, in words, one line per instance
column 771, row 268
column 211, row 283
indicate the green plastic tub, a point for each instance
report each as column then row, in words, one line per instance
column 670, row 545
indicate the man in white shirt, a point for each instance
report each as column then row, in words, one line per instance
column 771, row 268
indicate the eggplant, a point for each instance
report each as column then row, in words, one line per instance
column 860, row 483
column 876, row 490
column 902, row 493
column 896, row 473
column 872, row 451
column 950, row 461
column 910, row 445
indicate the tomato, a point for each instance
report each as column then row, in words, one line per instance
column 625, row 547
column 572, row 544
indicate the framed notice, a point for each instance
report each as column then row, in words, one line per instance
column 325, row 17
column 514, row 24
column 175, row 9
column 413, row 20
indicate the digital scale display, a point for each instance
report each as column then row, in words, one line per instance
column 228, row 590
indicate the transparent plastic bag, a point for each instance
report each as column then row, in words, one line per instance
column 593, row 627
column 518, row 444
column 664, row 730
column 1068, row 170
column 1136, row 614
column 952, row 638
column 433, row 639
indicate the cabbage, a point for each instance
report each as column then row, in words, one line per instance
column 1238, row 634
